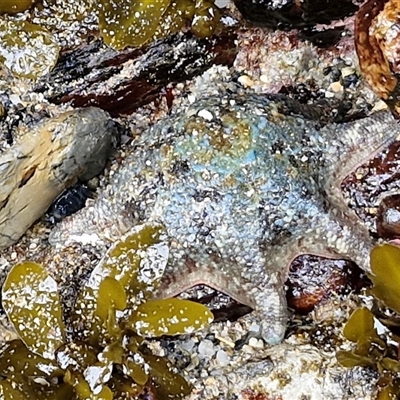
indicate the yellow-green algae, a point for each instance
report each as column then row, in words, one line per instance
column 385, row 265
column 371, row 349
column 125, row 23
column 30, row 51
column 27, row 50
column 25, row 292
column 105, row 357
column 14, row 6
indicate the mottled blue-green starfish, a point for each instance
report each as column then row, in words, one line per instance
column 243, row 184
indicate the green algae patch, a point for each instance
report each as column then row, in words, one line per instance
column 361, row 322
column 14, row 6
column 26, row 389
column 175, row 17
column 30, row 299
column 385, row 266
column 165, row 380
column 83, row 389
column 204, row 19
column 124, row 23
column 373, row 349
column 20, row 367
column 27, row 50
column 360, row 329
column 18, row 360
column 169, row 317
column 102, row 352
column 132, row 269
column 111, row 296
column 130, row 23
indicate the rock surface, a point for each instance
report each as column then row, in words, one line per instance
column 53, row 156
column 267, row 62
column 120, row 82
column 377, row 42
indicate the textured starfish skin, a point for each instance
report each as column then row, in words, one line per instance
column 243, row 184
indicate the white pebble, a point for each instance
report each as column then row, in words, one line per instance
column 206, row 349
column 205, row 114
column 256, row 343
column 188, row 345
column 222, row 357
column 245, row 81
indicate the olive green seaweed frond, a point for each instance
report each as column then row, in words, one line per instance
column 375, row 349
column 106, row 356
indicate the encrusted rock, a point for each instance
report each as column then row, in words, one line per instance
column 388, row 222
column 53, row 156
column 377, row 38
column 284, row 14
column 120, row 82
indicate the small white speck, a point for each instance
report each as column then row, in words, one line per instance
column 205, row 114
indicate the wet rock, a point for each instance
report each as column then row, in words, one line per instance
column 50, row 158
column 121, row 81
column 283, row 14
column 377, row 38
column 313, row 280
column 388, row 221
column 69, row 202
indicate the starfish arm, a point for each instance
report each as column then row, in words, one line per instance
column 336, row 234
column 184, row 275
column 351, row 144
column 264, row 292
column 271, row 308
column 94, row 224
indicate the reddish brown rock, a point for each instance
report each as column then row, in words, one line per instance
column 388, row 221
column 121, row 81
column 284, row 14
column 377, row 38
column 313, row 280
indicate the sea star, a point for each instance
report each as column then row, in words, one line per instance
column 243, row 184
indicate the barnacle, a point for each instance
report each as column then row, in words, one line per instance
column 134, row 23
column 372, row 349
column 27, row 50
column 105, row 357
